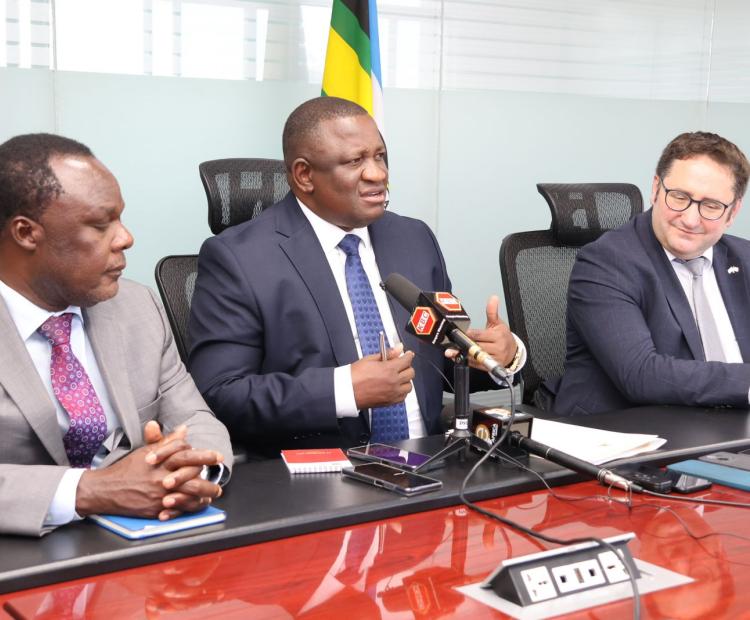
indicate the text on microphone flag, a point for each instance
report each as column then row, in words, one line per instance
column 448, row 301
column 423, row 320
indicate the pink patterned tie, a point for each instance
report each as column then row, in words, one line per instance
column 72, row 387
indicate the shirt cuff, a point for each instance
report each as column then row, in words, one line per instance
column 343, row 391
column 62, row 510
column 521, row 352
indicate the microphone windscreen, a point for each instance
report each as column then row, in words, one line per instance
column 403, row 291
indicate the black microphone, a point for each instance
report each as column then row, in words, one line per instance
column 439, row 318
column 605, row 476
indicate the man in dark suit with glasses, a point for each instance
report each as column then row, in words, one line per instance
column 657, row 309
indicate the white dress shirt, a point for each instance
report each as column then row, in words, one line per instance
column 716, row 302
column 28, row 317
column 329, row 237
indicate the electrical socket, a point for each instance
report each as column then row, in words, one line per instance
column 578, row 576
column 614, row 569
column 563, row 572
column 538, row 583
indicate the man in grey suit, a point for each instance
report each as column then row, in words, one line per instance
column 657, row 309
column 89, row 372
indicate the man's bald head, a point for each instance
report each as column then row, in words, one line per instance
column 303, row 123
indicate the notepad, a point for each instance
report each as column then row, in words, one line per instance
column 315, row 460
column 135, row 528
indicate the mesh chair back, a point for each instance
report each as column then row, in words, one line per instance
column 583, row 211
column 239, row 189
column 175, row 279
column 536, row 265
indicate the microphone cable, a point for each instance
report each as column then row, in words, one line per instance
column 528, row 531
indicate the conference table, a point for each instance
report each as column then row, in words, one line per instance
column 319, row 546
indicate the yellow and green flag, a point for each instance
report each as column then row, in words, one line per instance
column 352, row 69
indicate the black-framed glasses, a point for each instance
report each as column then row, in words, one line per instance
column 708, row 208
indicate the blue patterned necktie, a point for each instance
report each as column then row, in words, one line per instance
column 388, row 423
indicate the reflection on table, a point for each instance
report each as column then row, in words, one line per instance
column 408, row 567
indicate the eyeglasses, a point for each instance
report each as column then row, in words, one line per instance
column 709, row 209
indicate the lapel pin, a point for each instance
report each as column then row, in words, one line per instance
column 733, row 269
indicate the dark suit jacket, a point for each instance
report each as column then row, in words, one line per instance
column 631, row 336
column 268, row 327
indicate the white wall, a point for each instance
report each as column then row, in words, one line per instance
column 465, row 149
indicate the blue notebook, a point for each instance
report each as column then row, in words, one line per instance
column 728, row 476
column 135, row 528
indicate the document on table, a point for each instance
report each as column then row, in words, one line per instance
column 592, row 444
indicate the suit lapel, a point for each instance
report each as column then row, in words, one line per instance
column 24, row 386
column 392, row 256
column 302, row 248
column 734, row 291
column 671, row 285
column 105, row 336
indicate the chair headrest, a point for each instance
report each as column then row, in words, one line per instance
column 581, row 212
column 238, row 189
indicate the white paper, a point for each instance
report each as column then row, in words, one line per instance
column 592, row 444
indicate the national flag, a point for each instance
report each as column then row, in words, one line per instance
column 352, row 69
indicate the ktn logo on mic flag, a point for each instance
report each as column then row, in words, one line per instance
column 448, row 301
column 352, row 69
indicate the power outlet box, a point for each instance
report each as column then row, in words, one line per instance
column 562, row 572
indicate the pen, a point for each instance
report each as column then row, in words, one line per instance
column 383, row 349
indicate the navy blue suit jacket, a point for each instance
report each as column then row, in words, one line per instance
column 631, row 336
column 268, row 327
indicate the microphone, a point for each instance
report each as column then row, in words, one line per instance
column 605, row 476
column 439, row 318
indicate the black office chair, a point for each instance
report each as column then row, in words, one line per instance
column 239, row 189
column 535, row 268
column 175, row 279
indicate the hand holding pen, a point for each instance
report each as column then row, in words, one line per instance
column 383, row 378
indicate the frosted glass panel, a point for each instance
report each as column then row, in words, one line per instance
column 103, row 36
column 615, row 49
column 685, row 50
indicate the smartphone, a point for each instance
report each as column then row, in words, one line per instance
column 649, row 477
column 390, row 455
column 393, row 479
column 730, row 459
column 685, row 483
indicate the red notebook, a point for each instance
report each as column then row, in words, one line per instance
column 315, row 460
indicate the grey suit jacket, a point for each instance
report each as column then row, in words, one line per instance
column 145, row 378
column 631, row 336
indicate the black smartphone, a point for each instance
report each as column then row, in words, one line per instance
column 392, row 478
column 685, row 483
column 730, row 459
column 390, row 455
column 649, row 477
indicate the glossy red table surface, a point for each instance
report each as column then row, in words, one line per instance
column 407, row 567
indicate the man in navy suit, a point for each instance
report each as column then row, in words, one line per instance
column 276, row 350
column 644, row 326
